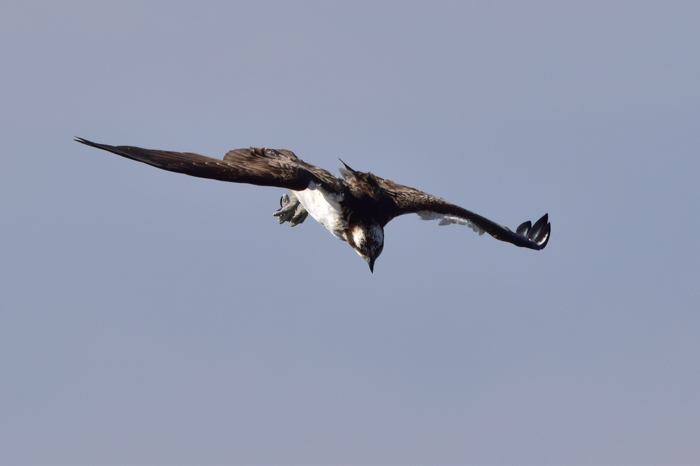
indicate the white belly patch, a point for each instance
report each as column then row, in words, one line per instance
column 324, row 207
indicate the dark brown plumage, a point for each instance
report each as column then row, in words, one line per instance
column 354, row 209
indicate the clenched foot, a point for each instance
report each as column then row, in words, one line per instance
column 291, row 211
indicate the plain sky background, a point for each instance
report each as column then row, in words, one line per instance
column 153, row 318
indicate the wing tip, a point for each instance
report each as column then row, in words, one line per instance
column 537, row 235
column 540, row 232
column 87, row 142
column 543, row 237
column 524, row 228
column 119, row 150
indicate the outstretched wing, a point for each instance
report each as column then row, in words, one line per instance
column 258, row 166
column 412, row 201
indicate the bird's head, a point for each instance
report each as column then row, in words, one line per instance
column 368, row 241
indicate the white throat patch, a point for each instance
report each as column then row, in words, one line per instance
column 374, row 232
column 358, row 236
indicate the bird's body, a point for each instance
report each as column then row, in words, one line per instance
column 325, row 207
column 354, row 209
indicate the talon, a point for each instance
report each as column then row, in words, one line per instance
column 284, row 200
column 284, row 215
column 299, row 216
column 291, row 211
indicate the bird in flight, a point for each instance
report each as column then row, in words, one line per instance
column 354, row 209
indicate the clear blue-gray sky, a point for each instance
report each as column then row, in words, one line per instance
column 154, row 318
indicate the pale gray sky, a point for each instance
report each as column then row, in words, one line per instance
column 153, row 318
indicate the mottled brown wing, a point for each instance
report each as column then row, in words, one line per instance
column 412, row 201
column 258, row 166
column 284, row 165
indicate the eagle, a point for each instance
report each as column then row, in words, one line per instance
column 354, row 208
